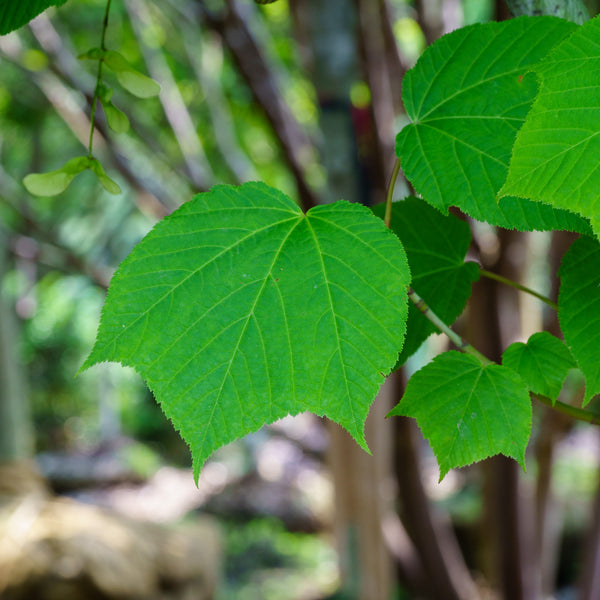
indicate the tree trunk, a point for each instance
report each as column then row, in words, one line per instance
column 447, row 575
column 589, row 584
column 572, row 10
column 16, row 434
column 253, row 66
column 506, row 529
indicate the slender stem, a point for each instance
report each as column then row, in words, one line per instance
column 456, row 339
column 518, row 286
column 98, row 78
column 577, row 413
column 387, row 219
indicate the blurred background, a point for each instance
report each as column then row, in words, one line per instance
column 97, row 499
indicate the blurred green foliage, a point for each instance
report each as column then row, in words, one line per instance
column 266, row 562
column 66, row 247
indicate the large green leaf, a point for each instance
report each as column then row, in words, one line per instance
column 467, row 97
column 238, row 309
column 579, row 309
column 555, row 158
column 543, row 363
column 436, row 246
column 468, row 411
column 16, row 13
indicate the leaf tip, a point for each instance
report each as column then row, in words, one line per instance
column 444, row 470
column 89, row 362
column 395, row 412
column 197, row 466
column 358, row 434
column 588, row 396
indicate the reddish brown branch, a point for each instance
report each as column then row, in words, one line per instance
column 256, row 72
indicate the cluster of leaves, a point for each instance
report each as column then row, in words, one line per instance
column 136, row 83
column 239, row 309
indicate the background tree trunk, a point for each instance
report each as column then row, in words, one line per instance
column 572, row 10
column 16, row 431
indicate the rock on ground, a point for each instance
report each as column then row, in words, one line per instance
column 54, row 548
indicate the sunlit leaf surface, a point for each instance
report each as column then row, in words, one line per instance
column 579, row 308
column 238, row 309
column 467, row 98
column 468, row 411
column 555, row 158
column 543, row 363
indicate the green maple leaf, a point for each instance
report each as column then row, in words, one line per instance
column 16, row 13
column 468, row 411
column 555, row 158
column 543, row 363
column 579, row 309
column 238, row 309
column 467, row 97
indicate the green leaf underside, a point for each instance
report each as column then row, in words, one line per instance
column 543, row 363
column 555, row 158
column 138, row 84
column 115, row 118
column 467, row 96
column 238, row 309
column 436, row 246
column 107, row 183
column 468, row 411
column 16, row 13
column 579, row 309
column 132, row 80
column 56, row 182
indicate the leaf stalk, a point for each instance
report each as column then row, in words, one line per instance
column 518, row 286
column 387, row 218
column 456, row 339
column 572, row 411
column 98, row 78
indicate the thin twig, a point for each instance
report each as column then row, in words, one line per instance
column 421, row 305
column 249, row 58
column 174, row 106
column 98, row 78
column 162, row 181
column 518, row 286
column 387, row 219
column 577, row 413
column 456, row 339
